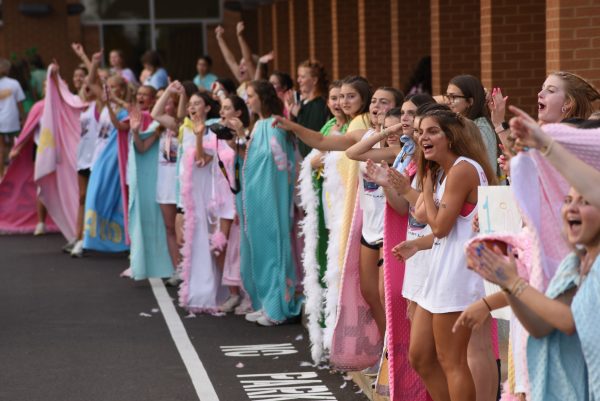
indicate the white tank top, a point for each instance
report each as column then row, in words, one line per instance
column 450, row 286
column 417, row 267
column 89, row 136
column 372, row 202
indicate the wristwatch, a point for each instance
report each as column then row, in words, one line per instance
column 502, row 127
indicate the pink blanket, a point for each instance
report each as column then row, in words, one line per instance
column 405, row 383
column 18, row 213
column 56, row 162
column 540, row 190
column 356, row 343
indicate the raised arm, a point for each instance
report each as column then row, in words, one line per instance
column 135, row 122
column 317, row 140
column 363, row 150
column 263, row 60
column 158, row 111
column 227, row 54
column 80, row 52
column 578, row 173
column 245, row 48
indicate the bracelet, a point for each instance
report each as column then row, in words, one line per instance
column 487, row 304
column 545, row 150
column 522, row 285
column 514, row 284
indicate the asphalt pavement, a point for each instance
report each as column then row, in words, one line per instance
column 73, row 330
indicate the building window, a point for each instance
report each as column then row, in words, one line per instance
column 135, row 26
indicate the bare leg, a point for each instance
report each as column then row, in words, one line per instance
column 225, row 227
column 423, row 356
column 369, row 284
column 42, row 213
column 169, row 213
column 452, row 354
column 83, row 183
column 381, row 281
column 179, row 228
column 483, row 363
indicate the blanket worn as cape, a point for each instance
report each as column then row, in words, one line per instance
column 104, row 228
column 149, row 253
column 18, row 210
column 56, row 161
column 268, row 179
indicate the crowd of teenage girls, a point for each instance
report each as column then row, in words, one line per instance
column 256, row 195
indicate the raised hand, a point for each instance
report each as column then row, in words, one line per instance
column 135, row 119
column 97, row 57
column 492, row 265
column 239, row 27
column 175, row 87
column 377, row 174
column 219, row 31
column 405, row 250
column 77, row 48
column 497, row 105
column 265, row 59
column 398, row 181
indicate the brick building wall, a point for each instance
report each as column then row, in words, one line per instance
column 513, row 52
column 508, row 43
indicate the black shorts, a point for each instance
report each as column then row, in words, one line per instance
column 377, row 246
column 84, row 172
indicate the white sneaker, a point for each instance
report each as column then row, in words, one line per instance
column 174, row 280
column 69, row 246
column 77, row 251
column 245, row 307
column 265, row 321
column 254, row 316
column 40, row 229
column 230, row 303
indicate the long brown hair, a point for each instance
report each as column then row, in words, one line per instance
column 269, row 101
column 465, row 140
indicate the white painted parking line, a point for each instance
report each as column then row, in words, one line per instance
column 191, row 360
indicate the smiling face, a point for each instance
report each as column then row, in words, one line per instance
column 392, row 139
column 407, row 117
column 456, row 101
column 306, row 82
column 581, row 220
column 333, row 103
column 433, row 140
column 551, row 100
column 252, row 100
column 350, row 101
column 197, row 108
column 78, row 78
column 381, row 102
